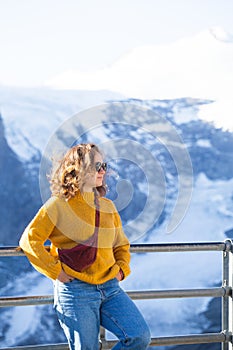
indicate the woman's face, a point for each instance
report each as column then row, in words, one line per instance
column 94, row 179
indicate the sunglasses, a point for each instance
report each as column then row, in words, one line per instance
column 99, row 166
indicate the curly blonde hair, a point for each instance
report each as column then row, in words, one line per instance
column 69, row 176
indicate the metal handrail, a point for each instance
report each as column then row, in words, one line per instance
column 136, row 295
column 160, row 341
column 225, row 292
column 148, row 248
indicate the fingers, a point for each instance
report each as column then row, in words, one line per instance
column 64, row 278
column 118, row 277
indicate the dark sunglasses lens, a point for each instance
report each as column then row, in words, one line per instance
column 104, row 166
column 99, row 165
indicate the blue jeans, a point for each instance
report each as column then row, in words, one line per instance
column 83, row 307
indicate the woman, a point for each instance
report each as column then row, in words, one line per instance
column 88, row 256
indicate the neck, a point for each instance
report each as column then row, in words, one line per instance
column 87, row 189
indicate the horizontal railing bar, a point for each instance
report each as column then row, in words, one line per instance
column 159, row 341
column 26, row 301
column 178, row 247
column 190, row 339
column 147, row 248
column 136, row 295
column 181, row 293
column 11, row 251
column 60, row 346
column 179, row 340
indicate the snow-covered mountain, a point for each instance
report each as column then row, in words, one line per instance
column 145, row 141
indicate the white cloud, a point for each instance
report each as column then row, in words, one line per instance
column 200, row 67
column 220, row 34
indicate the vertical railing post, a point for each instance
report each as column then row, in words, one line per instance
column 227, row 300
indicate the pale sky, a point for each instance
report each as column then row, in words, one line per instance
column 40, row 39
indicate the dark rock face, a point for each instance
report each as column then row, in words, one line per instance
column 19, row 195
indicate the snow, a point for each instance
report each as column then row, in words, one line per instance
column 183, row 114
column 20, row 115
column 31, row 116
column 203, row 143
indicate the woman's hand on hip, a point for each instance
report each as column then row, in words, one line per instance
column 120, row 276
column 64, row 278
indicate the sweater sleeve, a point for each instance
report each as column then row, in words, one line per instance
column 33, row 239
column 121, row 247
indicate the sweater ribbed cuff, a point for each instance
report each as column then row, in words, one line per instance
column 124, row 267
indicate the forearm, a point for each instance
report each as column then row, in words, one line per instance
column 39, row 256
column 32, row 243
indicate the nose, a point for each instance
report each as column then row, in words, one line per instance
column 101, row 171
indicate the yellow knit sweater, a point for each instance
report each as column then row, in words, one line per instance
column 66, row 223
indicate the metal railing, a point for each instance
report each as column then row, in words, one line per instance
column 224, row 292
